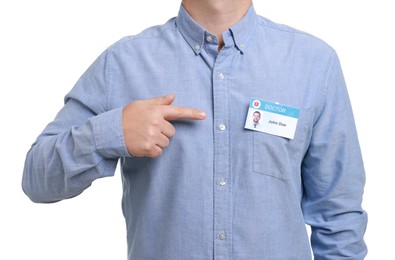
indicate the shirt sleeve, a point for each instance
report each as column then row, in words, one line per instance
column 334, row 178
column 83, row 142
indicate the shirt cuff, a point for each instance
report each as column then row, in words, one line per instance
column 108, row 134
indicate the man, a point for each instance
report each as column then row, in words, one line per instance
column 256, row 116
column 192, row 187
column 253, row 121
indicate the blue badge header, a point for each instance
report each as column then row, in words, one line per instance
column 274, row 108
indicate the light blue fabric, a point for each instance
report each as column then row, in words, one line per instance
column 219, row 191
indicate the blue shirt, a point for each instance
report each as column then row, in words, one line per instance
column 219, row 191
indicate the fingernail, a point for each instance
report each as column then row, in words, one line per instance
column 202, row 115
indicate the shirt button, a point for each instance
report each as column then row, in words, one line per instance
column 197, row 46
column 222, row 182
column 222, row 236
column 209, row 38
column 221, row 76
column 222, row 127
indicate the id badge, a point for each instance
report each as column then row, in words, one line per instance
column 272, row 118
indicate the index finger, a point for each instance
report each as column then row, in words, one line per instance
column 177, row 112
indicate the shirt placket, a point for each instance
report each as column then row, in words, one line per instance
column 222, row 176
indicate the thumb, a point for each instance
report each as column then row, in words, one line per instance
column 163, row 100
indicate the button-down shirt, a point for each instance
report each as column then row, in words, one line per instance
column 219, row 191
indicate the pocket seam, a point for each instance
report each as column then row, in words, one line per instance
column 279, row 175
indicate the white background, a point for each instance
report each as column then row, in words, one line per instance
column 46, row 45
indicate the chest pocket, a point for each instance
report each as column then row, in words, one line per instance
column 277, row 156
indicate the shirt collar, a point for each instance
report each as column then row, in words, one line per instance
column 195, row 34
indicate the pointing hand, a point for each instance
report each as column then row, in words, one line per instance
column 146, row 125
